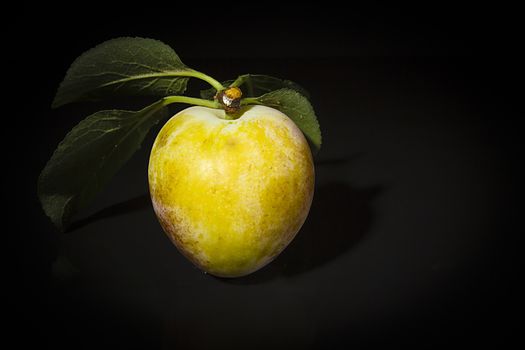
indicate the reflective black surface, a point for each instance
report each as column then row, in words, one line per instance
column 411, row 238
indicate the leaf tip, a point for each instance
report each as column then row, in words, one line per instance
column 56, row 103
column 56, row 207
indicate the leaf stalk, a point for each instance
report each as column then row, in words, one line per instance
column 189, row 100
column 199, row 75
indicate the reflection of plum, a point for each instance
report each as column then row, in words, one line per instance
column 231, row 194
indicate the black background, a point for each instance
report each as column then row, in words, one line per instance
column 411, row 238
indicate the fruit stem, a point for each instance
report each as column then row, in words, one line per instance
column 189, row 100
column 199, row 75
column 229, row 99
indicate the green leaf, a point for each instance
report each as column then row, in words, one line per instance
column 258, row 84
column 298, row 108
column 253, row 85
column 90, row 154
column 124, row 66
